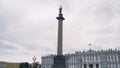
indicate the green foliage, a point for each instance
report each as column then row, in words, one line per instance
column 27, row 65
column 24, row 65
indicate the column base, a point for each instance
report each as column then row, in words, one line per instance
column 59, row 62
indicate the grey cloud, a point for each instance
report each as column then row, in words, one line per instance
column 108, row 9
column 3, row 46
column 31, row 27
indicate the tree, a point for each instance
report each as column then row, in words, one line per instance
column 24, row 65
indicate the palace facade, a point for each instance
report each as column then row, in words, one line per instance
column 87, row 59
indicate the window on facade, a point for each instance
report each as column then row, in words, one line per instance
column 91, row 66
column 85, row 66
column 97, row 65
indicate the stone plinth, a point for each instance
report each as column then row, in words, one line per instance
column 59, row 62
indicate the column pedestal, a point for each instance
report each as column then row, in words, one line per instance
column 59, row 62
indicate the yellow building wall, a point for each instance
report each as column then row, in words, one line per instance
column 12, row 65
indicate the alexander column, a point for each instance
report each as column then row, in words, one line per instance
column 60, row 19
column 59, row 60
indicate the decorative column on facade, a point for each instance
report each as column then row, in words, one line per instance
column 87, row 65
column 110, row 58
column 113, row 58
column 111, row 65
column 82, row 65
column 89, row 59
column 98, row 58
column 117, row 58
column 114, row 65
column 94, row 66
column 99, row 65
column 86, row 59
column 118, row 65
column 108, row 65
column 82, row 59
column 117, row 61
column 107, row 58
column 94, row 59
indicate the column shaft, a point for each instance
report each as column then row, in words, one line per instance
column 60, row 31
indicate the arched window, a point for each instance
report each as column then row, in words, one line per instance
column 85, row 66
column 91, row 66
column 97, row 65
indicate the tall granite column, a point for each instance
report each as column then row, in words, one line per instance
column 59, row 59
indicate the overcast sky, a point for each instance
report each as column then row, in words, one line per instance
column 29, row 27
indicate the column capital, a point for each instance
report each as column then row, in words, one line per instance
column 60, row 17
